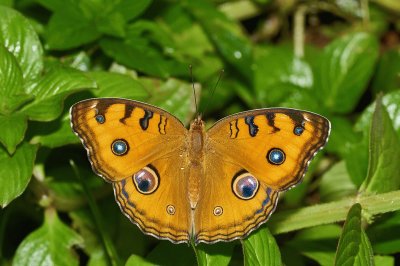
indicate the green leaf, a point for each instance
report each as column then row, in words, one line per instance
column 141, row 50
column 53, row 134
column 317, row 243
column 131, row 9
column 392, row 103
column 135, row 260
column 354, row 247
column 278, row 73
column 291, row 220
column 225, row 35
column 344, row 70
column 387, row 74
column 118, row 85
column 179, row 94
column 15, row 172
column 112, row 24
column 336, row 183
column 19, row 37
column 384, row 153
column 13, row 130
column 216, row 254
column 11, row 83
column 51, row 90
column 49, row 245
column 66, row 31
column 260, row 248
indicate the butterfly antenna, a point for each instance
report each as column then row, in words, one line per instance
column 213, row 90
column 194, row 91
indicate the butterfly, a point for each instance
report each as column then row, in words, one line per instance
column 195, row 184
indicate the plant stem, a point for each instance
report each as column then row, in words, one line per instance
column 292, row 220
column 106, row 241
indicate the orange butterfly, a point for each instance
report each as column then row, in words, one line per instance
column 205, row 186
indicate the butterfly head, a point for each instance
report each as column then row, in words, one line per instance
column 197, row 124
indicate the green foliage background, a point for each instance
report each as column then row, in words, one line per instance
column 337, row 58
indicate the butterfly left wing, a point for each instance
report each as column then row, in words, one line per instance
column 250, row 157
column 137, row 148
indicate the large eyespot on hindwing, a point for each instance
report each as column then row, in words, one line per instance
column 146, row 180
column 245, row 185
column 120, row 147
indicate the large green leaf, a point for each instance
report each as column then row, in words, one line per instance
column 391, row 101
column 225, row 35
column 49, row 245
column 51, row 90
column 354, row 247
column 19, row 37
column 384, row 153
column 278, row 73
column 15, row 172
column 344, row 70
column 260, row 248
column 216, row 254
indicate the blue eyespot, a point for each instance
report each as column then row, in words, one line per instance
column 276, row 156
column 245, row 186
column 120, row 147
column 298, row 130
column 100, row 119
column 146, row 180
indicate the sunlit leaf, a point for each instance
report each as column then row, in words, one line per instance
column 19, row 37
column 384, row 153
column 49, row 245
column 354, row 247
column 216, row 254
column 51, row 90
column 344, row 70
column 260, row 248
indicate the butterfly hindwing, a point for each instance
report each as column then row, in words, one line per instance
column 223, row 212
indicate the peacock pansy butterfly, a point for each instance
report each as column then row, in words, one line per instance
column 204, row 186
